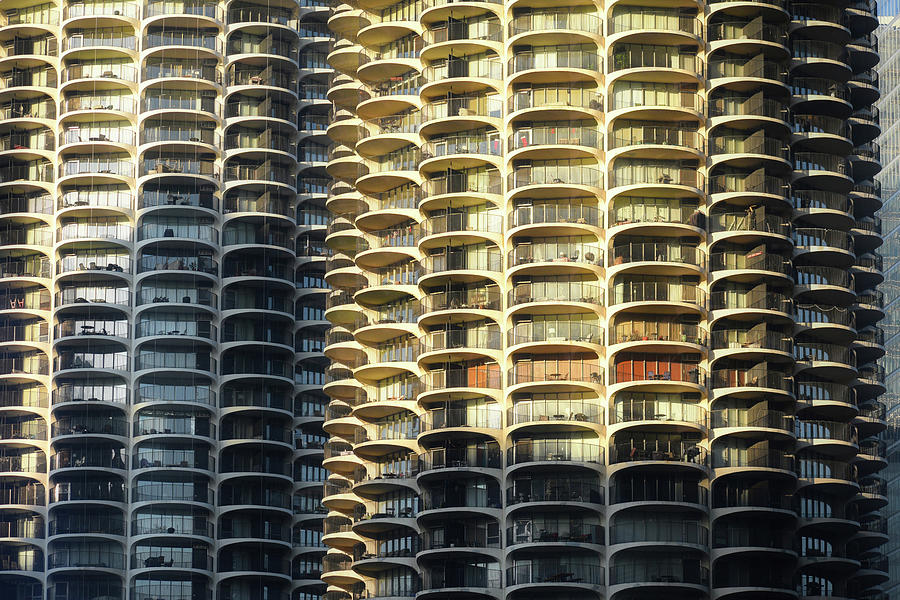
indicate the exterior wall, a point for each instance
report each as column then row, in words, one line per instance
column 605, row 301
column 889, row 44
column 161, row 228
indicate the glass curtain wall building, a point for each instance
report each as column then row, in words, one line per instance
column 605, row 301
column 889, row 72
column 162, row 222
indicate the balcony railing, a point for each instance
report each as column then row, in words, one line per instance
column 769, row 300
column 743, row 30
column 662, row 529
column 559, row 370
column 561, row 251
column 100, row 71
column 562, row 134
column 555, row 571
column 555, row 291
column 555, row 410
column 631, row 410
column 183, row 38
column 657, row 291
column 814, row 86
column 636, row 135
column 730, row 457
column 750, row 221
column 175, row 7
column 547, row 20
column 755, row 260
column 745, row 339
column 156, row 69
column 644, row 56
column 555, row 532
column 756, row 67
column 750, row 183
column 565, row 450
column 644, row 571
column 808, row 276
column 658, row 252
column 555, row 332
column 754, row 377
column 451, row 458
column 561, row 488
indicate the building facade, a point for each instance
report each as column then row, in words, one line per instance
column 605, row 301
column 162, row 221
column 889, row 79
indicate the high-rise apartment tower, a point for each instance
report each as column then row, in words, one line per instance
column 162, row 217
column 605, row 301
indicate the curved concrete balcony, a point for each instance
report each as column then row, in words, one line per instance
column 474, row 72
column 768, row 344
column 447, row 461
column 552, row 293
column 820, row 22
column 862, row 15
column 865, row 160
column 629, row 60
column 570, row 573
column 827, row 133
column 823, row 208
column 826, row 245
column 638, row 413
column 739, row 188
column 567, row 489
column 649, row 257
column 818, row 93
column 579, row 254
column 583, row 450
column 750, row 576
column 556, row 335
column 658, row 571
column 666, row 531
column 731, row 69
column 28, row 266
column 869, row 344
column 88, row 489
column 483, row 340
column 868, row 306
column 834, row 322
column 863, row 87
column 814, row 470
column 816, row 58
column 739, row 110
column 773, row 424
column 629, row 292
column 744, row 381
column 737, row 35
column 828, row 170
column 471, row 378
column 641, row 139
column 741, row 149
column 464, row 150
column 867, row 236
column 653, row 175
column 825, row 399
column 813, row 282
column 740, row 263
column 563, row 372
column 348, row 57
column 478, row 183
column 555, row 26
column 744, row 226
